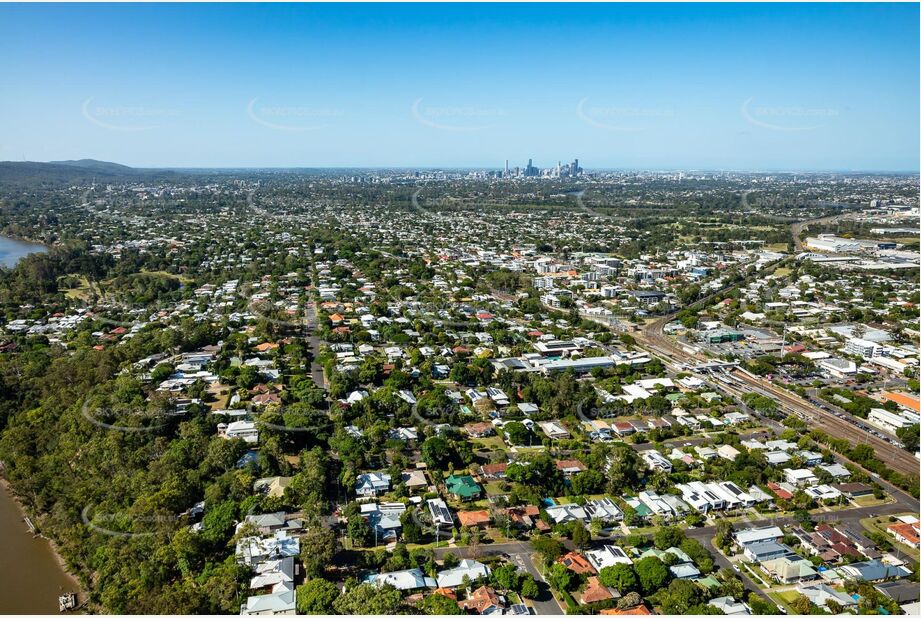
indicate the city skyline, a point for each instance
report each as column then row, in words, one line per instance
column 690, row 87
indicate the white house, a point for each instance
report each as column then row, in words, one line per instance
column 244, row 430
column 606, row 556
column 469, row 569
column 372, row 484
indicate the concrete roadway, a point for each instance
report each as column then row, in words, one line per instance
column 519, row 553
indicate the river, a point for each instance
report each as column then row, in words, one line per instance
column 31, row 577
column 13, row 250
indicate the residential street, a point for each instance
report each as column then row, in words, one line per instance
column 316, row 370
column 520, row 554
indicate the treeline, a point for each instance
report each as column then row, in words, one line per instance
column 108, row 475
column 864, row 455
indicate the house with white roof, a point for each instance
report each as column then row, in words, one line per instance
column 800, row 477
column 466, row 569
column 409, row 579
column 607, row 555
column 758, row 535
column 656, row 461
column 282, row 603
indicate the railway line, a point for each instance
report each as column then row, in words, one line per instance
column 654, row 339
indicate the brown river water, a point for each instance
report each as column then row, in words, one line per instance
column 30, row 576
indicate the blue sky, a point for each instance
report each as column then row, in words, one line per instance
column 703, row 86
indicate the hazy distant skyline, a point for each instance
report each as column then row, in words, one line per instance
column 742, row 87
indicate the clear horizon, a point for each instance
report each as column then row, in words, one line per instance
column 715, row 87
column 491, row 168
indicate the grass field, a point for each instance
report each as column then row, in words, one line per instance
column 783, row 599
column 879, row 524
column 494, row 488
column 81, row 291
column 492, row 443
column 871, row 501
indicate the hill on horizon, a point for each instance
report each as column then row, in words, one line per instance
column 72, row 172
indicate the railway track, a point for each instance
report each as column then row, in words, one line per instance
column 654, row 339
column 898, row 459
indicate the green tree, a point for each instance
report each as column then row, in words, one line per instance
column 681, row 597
column 909, row 437
column 560, row 577
column 436, row 453
column 366, row 599
column 505, row 577
column 318, row 547
column 652, row 574
column 802, row 605
column 549, row 548
column 358, row 530
column 529, row 587
column 580, row 536
column 667, row 537
column 316, row 596
column 438, row 604
column 518, row 434
column 620, row 577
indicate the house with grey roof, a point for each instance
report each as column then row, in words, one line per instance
column 821, row 594
column 277, row 604
column 758, row 535
column 872, row 571
column 730, row 607
column 372, row 484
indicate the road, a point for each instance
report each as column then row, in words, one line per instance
column 653, row 338
column 316, row 370
column 797, row 228
column 519, row 553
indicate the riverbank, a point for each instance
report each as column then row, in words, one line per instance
column 32, row 570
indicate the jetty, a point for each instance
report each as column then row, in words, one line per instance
column 67, row 601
